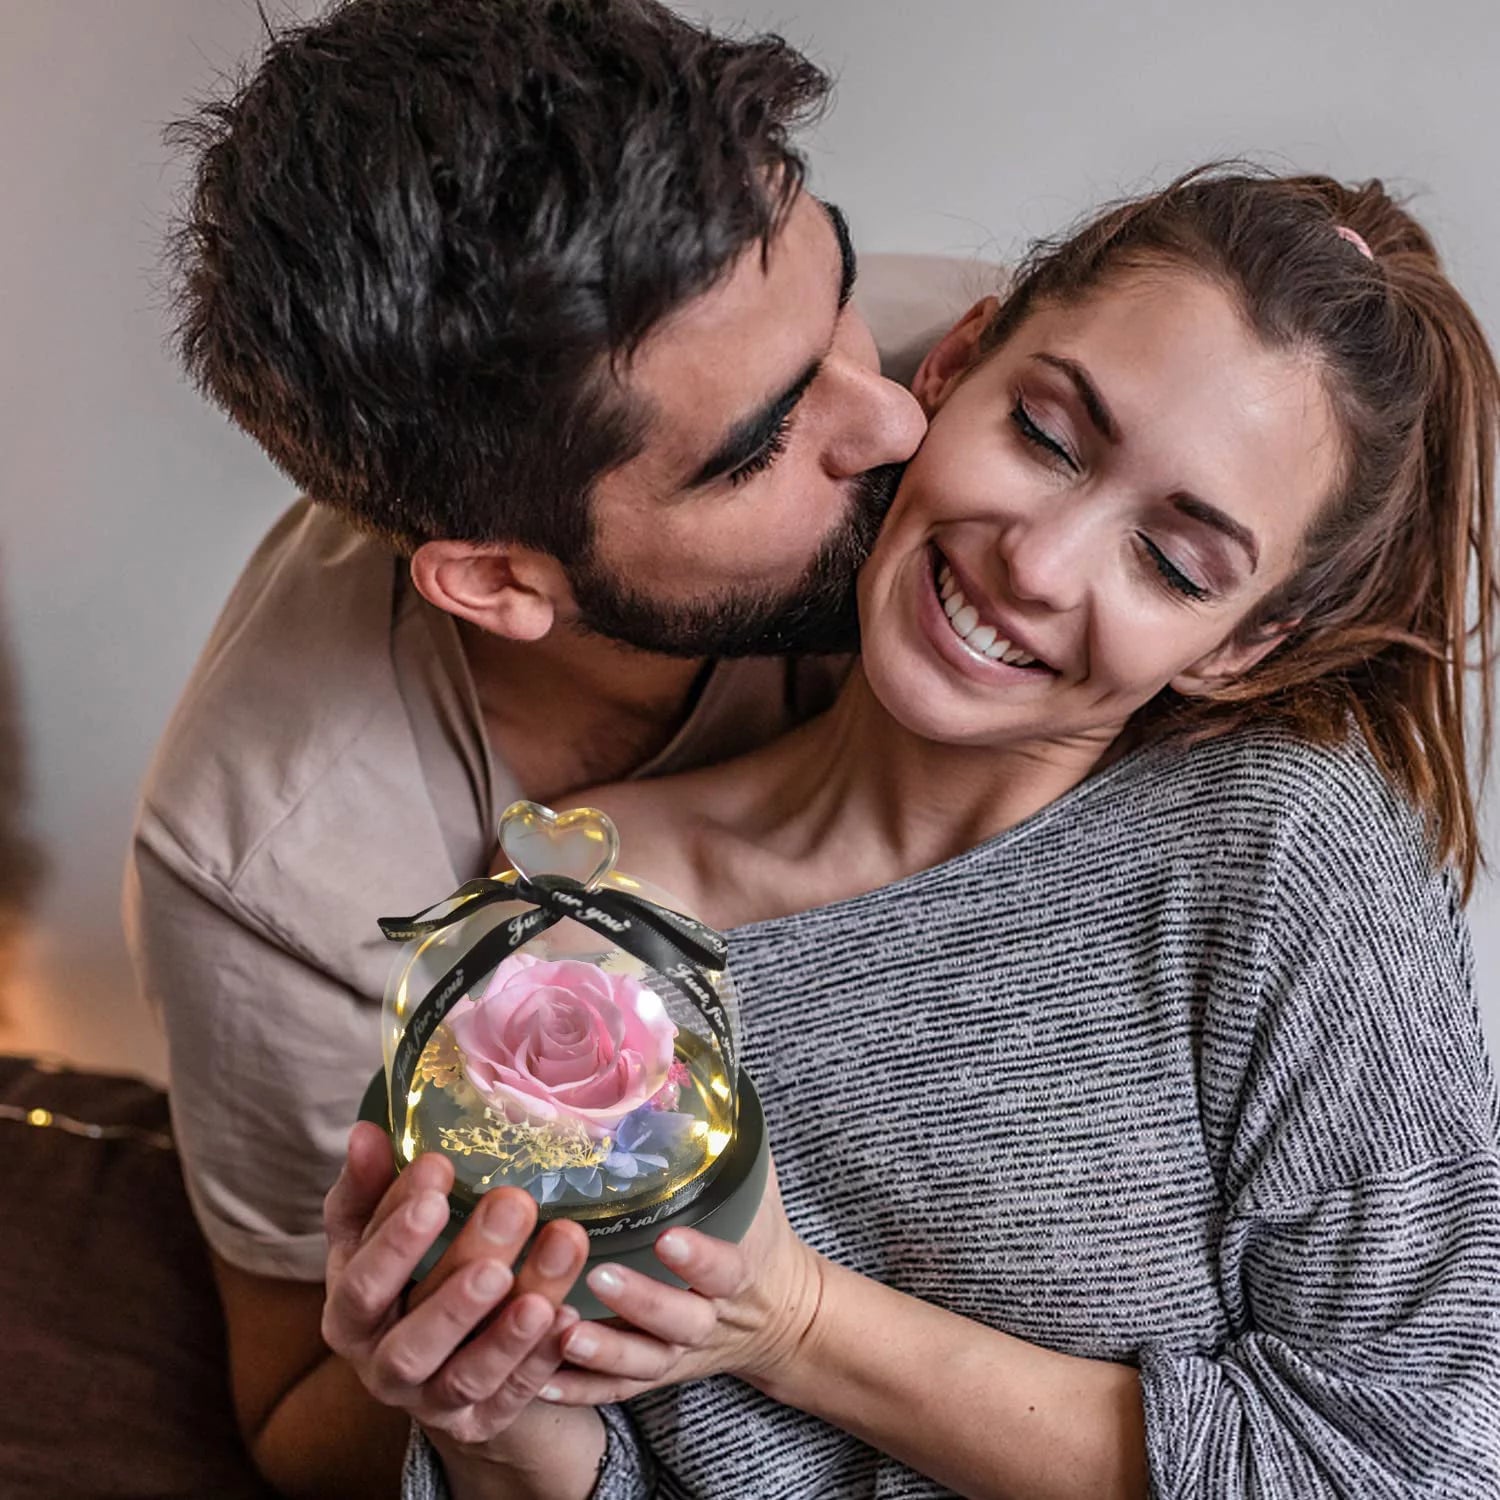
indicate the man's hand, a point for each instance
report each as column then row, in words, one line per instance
column 479, row 1339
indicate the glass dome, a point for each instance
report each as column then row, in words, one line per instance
column 591, row 1062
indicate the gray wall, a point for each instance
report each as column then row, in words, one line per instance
column 962, row 127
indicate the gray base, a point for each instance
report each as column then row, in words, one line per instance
column 725, row 1208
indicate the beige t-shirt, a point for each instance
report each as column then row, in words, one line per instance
column 326, row 765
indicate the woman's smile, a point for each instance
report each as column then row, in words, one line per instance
column 1100, row 579
column 972, row 631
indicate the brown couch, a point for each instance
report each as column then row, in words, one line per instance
column 110, row 1326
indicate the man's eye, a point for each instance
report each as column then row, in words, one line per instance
column 775, row 446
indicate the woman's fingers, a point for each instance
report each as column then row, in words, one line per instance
column 511, row 1364
column 663, row 1323
column 419, row 1345
column 363, row 1195
column 497, row 1230
column 670, row 1314
column 715, row 1268
column 365, row 1286
column 478, row 1339
column 505, row 1364
column 620, row 1353
column 556, row 1257
column 569, row 1387
column 428, row 1173
column 369, row 1167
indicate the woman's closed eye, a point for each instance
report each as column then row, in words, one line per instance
column 1039, row 437
column 1167, row 572
column 1164, row 571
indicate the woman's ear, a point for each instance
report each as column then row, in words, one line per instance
column 951, row 357
column 1229, row 662
column 503, row 589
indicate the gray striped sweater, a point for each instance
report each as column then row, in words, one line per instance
column 1184, row 1071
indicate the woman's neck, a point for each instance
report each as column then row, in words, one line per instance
column 854, row 800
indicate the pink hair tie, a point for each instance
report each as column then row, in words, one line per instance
column 1357, row 240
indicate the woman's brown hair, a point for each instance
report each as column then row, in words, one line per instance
column 1394, row 603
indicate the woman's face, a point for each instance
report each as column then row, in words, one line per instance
column 1110, row 493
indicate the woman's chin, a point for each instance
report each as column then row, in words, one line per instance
column 929, row 708
column 947, row 708
column 937, row 687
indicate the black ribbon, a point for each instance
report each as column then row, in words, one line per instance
column 684, row 952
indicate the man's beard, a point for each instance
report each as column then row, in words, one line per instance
column 819, row 614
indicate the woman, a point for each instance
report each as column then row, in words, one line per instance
column 1101, row 950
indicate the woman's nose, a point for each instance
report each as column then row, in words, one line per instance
column 1047, row 555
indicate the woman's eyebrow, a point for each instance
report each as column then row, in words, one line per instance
column 1210, row 515
column 1088, row 393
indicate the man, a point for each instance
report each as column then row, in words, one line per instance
column 529, row 299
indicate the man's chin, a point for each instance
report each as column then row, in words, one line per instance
column 732, row 627
column 819, row 616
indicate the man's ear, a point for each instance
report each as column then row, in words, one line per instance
column 952, row 356
column 1230, row 661
column 503, row 589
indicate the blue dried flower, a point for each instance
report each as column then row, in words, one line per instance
column 643, row 1144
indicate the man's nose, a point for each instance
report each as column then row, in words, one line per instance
column 871, row 420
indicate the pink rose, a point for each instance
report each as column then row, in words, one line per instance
column 564, row 1040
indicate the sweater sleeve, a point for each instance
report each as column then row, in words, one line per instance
column 625, row 1473
column 1354, row 1125
column 1369, row 1361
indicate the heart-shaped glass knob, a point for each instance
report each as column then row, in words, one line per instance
column 581, row 844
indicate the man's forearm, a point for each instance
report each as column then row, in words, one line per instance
column 327, row 1438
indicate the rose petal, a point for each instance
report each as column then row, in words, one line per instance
column 566, row 1037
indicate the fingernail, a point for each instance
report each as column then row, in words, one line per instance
column 429, row 1212
column 532, row 1317
column 581, row 1345
column 674, row 1250
column 554, row 1256
column 550, row 1393
column 504, row 1219
column 429, row 1173
column 606, row 1279
column 491, row 1279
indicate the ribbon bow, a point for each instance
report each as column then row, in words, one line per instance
column 684, row 952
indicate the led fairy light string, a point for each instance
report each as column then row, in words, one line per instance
column 41, row 1118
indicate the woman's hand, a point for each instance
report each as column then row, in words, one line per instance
column 746, row 1311
column 465, row 1353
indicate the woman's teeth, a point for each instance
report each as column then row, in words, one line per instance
column 964, row 619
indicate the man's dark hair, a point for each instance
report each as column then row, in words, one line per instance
column 423, row 235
